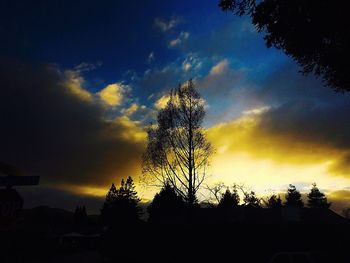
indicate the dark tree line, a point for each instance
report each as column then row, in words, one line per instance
column 121, row 205
column 293, row 198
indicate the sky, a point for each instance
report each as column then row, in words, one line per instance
column 80, row 81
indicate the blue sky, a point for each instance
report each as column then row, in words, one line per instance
column 117, row 37
column 80, row 79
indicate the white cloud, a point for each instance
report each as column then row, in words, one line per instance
column 151, row 57
column 257, row 111
column 180, row 39
column 165, row 25
column 191, row 62
column 220, row 68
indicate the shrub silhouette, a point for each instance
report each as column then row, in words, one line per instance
column 229, row 199
column 251, row 200
column 80, row 218
column 166, row 205
column 274, row 201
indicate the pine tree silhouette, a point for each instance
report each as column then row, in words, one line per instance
column 293, row 197
column 274, row 201
column 121, row 205
column 317, row 199
column 229, row 200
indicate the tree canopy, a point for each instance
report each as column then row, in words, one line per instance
column 293, row 197
column 121, row 204
column 251, row 200
column 166, row 205
column 229, row 199
column 178, row 152
column 315, row 33
column 273, row 201
column 317, row 199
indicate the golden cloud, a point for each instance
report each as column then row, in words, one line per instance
column 132, row 130
column 249, row 154
column 131, row 110
column 219, row 68
column 112, row 94
column 162, row 102
column 74, row 83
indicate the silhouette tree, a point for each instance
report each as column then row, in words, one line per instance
column 317, row 199
column 178, row 152
column 299, row 28
column 293, row 197
column 215, row 193
column 121, row 205
column 229, row 199
column 251, row 200
column 274, row 201
column 80, row 214
column 80, row 219
column 166, row 205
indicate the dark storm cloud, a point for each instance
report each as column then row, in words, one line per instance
column 58, row 131
column 304, row 107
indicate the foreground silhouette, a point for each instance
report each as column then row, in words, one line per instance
column 313, row 32
column 121, row 205
column 178, row 151
column 230, row 231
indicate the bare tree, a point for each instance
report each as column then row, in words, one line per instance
column 178, row 152
column 218, row 190
column 215, row 192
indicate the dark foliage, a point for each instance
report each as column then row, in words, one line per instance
column 229, row 199
column 314, row 33
column 80, row 217
column 121, row 205
column 251, row 200
column 274, row 201
column 317, row 199
column 293, row 197
column 166, row 205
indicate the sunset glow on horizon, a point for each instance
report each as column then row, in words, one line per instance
column 75, row 104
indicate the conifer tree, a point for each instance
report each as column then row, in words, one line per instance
column 274, row 201
column 293, row 197
column 229, row 199
column 317, row 199
column 121, row 205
